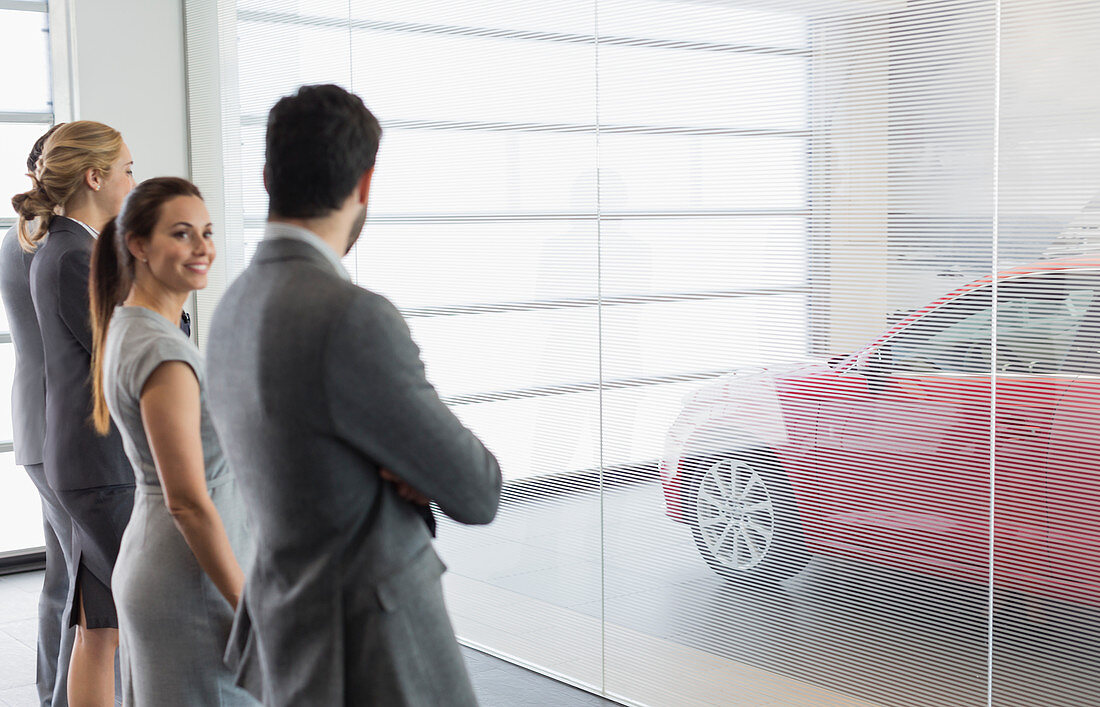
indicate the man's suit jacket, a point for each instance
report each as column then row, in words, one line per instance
column 28, row 392
column 315, row 385
column 75, row 456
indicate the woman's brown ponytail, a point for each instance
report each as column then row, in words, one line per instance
column 108, row 285
column 112, row 269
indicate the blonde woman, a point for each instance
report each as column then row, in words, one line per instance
column 81, row 178
column 177, row 579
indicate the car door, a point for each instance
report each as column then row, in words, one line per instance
column 1073, row 463
column 911, row 455
column 1039, row 319
column 903, row 444
column 1073, row 487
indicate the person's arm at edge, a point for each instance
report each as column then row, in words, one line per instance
column 171, row 414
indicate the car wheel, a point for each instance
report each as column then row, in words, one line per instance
column 743, row 515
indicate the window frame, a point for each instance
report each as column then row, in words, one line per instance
column 45, row 118
column 62, row 101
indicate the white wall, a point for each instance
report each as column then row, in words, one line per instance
column 128, row 72
column 121, row 62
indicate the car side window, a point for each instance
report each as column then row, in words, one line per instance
column 1037, row 329
column 1083, row 357
column 1042, row 322
column 952, row 339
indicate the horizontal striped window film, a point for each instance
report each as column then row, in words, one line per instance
column 782, row 317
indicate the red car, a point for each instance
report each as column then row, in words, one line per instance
column 911, row 452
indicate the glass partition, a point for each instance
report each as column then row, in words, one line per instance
column 778, row 314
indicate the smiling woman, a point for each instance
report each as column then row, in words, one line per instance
column 156, row 221
column 149, row 378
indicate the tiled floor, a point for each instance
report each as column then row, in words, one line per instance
column 498, row 683
column 18, row 630
column 611, row 592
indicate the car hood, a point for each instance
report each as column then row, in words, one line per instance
column 742, row 380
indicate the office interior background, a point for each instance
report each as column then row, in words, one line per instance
column 778, row 314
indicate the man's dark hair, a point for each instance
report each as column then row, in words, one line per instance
column 320, row 141
column 39, row 145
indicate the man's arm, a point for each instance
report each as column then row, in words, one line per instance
column 382, row 404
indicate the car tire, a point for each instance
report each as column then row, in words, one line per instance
column 743, row 515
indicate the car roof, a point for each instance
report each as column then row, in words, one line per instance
column 1078, row 262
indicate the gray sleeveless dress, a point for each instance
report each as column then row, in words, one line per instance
column 173, row 622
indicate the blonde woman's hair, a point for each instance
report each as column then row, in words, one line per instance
column 69, row 153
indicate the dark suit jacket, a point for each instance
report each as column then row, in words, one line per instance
column 75, row 457
column 28, row 392
column 315, row 384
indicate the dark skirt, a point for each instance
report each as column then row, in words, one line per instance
column 100, row 516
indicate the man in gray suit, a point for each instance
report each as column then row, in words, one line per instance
column 28, row 403
column 338, row 440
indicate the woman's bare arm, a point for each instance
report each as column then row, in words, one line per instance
column 171, row 413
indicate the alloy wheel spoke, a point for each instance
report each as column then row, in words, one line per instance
column 712, row 521
column 740, row 543
column 763, row 531
column 754, row 482
column 755, row 551
column 713, row 485
column 727, row 549
column 757, row 507
column 735, row 482
column 722, row 538
column 711, row 500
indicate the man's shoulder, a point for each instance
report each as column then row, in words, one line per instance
column 282, row 295
column 368, row 317
column 369, row 301
column 291, row 279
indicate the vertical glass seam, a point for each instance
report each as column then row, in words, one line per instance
column 993, row 346
column 599, row 349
